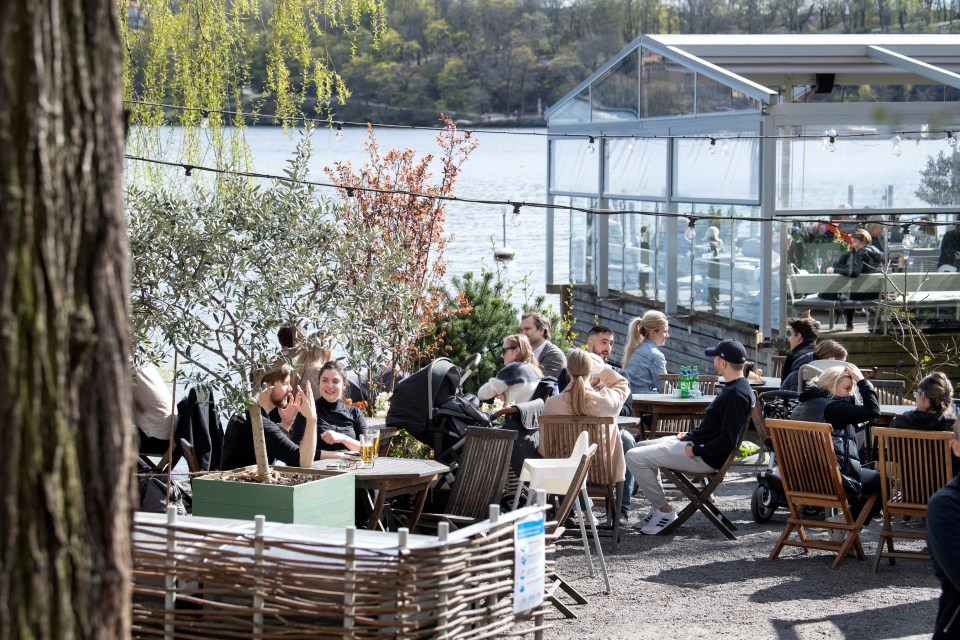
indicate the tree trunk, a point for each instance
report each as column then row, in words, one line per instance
column 64, row 278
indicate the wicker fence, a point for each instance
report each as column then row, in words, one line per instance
column 211, row 578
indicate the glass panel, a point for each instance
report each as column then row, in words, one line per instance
column 636, row 167
column 574, row 168
column 577, row 110
column 727, row 169
column 666, row 88
column 879, row 93
column 725, row 262
column 863, row 172
column 615, row 95
column 637, row 265
column 582, row 242
column 714, row 97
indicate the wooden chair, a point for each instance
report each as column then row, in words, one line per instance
column 913, row 465
column 190, row 455
column 698, row 489
column 889, row 391
column 558, row 436
column 480, row 478
column 811, row 477
column 708, row 383
column 671, row 424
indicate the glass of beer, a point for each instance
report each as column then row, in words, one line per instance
column 376, row 442
column 366, row 449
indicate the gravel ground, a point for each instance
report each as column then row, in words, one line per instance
column 697, row 584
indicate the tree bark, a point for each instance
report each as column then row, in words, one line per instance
column 64, row 278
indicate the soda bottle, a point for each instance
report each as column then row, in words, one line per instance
column 695, row 375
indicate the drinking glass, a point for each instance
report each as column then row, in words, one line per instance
column 376, row 442
column 366, row 449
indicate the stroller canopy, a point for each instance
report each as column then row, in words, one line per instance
column 415, row 397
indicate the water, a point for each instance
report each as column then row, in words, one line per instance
column 503, row 168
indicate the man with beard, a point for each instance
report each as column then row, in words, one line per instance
column 276, row 394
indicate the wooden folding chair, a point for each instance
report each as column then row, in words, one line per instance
column 913, row 465
column 480, row 479
column 708, row 383
column 811, row 477
column 699, row 488
column 558, row 435
column 889, row 391
column 190, row 455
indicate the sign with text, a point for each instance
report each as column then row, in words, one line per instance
column 529, row 559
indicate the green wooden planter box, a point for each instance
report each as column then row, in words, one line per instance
column 327, row 501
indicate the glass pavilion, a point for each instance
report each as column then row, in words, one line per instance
column 752, row 139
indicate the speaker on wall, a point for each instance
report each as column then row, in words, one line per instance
column 825, row 82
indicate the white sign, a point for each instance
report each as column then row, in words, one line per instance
column 529, row 560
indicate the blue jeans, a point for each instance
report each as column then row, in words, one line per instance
column 629, row 442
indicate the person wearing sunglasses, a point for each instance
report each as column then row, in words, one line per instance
column 516, row 348
column 934, row 410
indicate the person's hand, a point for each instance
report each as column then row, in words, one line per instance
column 689, row 450
column 681, row 437
column 308, row 406
column 854, row 373
column 502, row 412
column 289, row 410
column 829, row 270
column 332, row 437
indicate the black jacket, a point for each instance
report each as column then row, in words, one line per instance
column 943, row 538
column 802, row 350
column 950, row 249
column 238, row 443
column 719, row 432
column 332, row 416
column 924, row 421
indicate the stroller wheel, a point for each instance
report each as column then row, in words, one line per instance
column 761, row 504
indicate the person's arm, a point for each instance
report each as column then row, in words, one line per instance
column 734, row 412
column 943, row 532
column 615, row 389
column 308, row 409
column 330, row 435
column 844, row 413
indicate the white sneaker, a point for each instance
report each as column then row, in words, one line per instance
column 659, row 522
column 645, row 520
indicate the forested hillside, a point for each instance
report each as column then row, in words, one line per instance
column 505, row 61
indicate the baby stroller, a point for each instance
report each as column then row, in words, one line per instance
column 431, row 406
column 769, row 495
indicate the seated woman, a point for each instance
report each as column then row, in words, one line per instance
column 645, row 361
column 863, row 257
column 339, row 425
column 238, row 450
column 824, row 350
column 934, row 410
column 830, row 399
column 516, row 348
column 516, row 384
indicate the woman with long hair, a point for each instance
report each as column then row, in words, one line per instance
column 311, row 359
column 934, row 410
column 339, row 425
column 595, row 389
column 644, row 360
column 830, row 398
column 516, row 348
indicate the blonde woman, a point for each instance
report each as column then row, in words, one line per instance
column 312, row 358
column 644, row 360
column 516, row 348
column 595, row 389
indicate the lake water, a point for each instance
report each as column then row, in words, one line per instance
column 503, row 167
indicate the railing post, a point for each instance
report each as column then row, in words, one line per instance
column 443, row 533
column 170, row 579
column 259, row 522
column 350, row 585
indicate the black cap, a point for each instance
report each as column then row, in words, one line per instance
column 730, row 350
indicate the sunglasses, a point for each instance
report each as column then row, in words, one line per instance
column 917, row 394
column 509, row 348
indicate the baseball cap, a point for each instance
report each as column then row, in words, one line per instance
column 730, row 350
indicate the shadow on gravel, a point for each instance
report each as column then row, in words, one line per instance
column 898, row 621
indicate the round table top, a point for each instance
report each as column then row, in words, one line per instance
column 670, row 399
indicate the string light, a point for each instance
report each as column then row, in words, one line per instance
column 204, row 118
column 339, row 131
column 897, row 148
column 592, row 144
column 515, row 219
column 631, row 145
column 725, row 147
column 907, row 240
column 188, row 170
column 713, row 146
column 691, row 233
column 351, row 200
column 831, row 140
column 921, row 130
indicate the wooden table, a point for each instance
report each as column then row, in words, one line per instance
column 666, row 406
column 389, row 478
column 888, row 412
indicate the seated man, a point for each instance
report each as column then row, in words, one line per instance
column 703, row 450
column 238, row 449
column 943, row 537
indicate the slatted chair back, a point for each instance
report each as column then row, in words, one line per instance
column 777, row 362
column 558, row 435
column 811, row 477
column 190, row 455
column 482, row 475
column 672, row 424
column 913, row 465
column 889, row 391
column 708, row 383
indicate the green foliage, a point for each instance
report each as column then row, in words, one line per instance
column 940, row 180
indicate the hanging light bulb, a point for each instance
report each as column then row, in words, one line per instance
column 925, row 131
column 897, row 148
column 832, row 141
column 339, row 131
column 907, row 241
column 351, row 200
column 691, row 233
column 631, row 145
column 204, row 118
column 592, row 144
column 712, row 149
column 725, row 147
column 825, row 140
column 515, row 220
column 188, row 174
